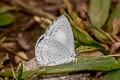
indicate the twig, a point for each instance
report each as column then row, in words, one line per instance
column 114, row 47
column 33, row 11
column 2, row 40
column 116, row 37
column 68, row 4
column 13, row 72
column 116, row 28
column 109, row 36
column 11, row 51
column 42, row 19
column 116, row 55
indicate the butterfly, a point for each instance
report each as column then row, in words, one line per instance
column 56, row 45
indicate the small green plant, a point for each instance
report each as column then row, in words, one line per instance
column 5, row 17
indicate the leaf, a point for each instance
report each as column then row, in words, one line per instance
column 27, row 73
column 3, row 58
column 90, row 54
column 99, row 35
column 13, row 73
column 10, row 74
column 5, row 9
column 77, row 43
column 82, row 64
column 85, row 38
column 2, row 40
column 20, row 72
column 115, row 14
column 86, row 49
column 81, row 35
column 6, row 19
column 44, row 25
column 113, row 75
column 6, row 74
column 99, row 11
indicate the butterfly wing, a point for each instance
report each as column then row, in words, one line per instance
column 56, row 46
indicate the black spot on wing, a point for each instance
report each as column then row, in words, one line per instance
column 40, row 39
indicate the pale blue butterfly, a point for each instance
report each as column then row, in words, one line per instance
column 56, row 45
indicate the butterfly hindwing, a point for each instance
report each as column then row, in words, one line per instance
column 56, row 45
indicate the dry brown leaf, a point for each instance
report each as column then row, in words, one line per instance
column 33, row 10
column 81, row 7
column 9, row 44
column 23, row 42
column 52, row 1
column 28, row 24
column 42, row 19
column 19, row 55
column 91, row 54
column 68, row 5
column 1, row 78
column 116, row 29
column 116, row 26
column 114, row 47
column 3, row 58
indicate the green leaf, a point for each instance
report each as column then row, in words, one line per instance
column 82, row 64
column 6, row 74
column 5, row 9
column 99, row 11
column 86, row 49
column 99, row 35
column 2, row 40
column 44, row 25
column 10, row 74
column 115, row 14
column 85, row 38
column 13, row 72
column 113, row 75
column 20, row 72
column 77, row 43
column 81, row 35
column 6, row 19
column 27, row 73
